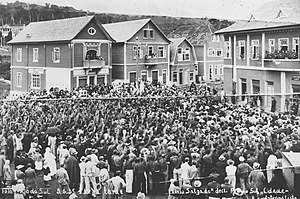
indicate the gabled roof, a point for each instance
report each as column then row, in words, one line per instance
column 175, row 43
column 124, row 31
column 242, row 26
column 54, row 30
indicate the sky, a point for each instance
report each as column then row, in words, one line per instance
column 225, row 9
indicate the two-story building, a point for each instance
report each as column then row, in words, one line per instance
column 262, row 57
column 182, row 61
column 141, row 51
column 209, row 55
column 65, row 53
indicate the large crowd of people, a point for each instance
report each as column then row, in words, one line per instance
column 145, row 140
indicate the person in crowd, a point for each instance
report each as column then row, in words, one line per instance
column 118, row 185
column 46, row 174
column 2, row 163
column 72, row 167
column 228, row 189
column 63, row 180
column 271, row 165
column 50, row 161
column 30, row 178
column 7, row 175
column 173, row 189
column 243, row 171
column 257, row 178
column 231, row 173
column 19, row 174
column 139, row 169
column 82, row 174
column 18, row 188
column 90, row 179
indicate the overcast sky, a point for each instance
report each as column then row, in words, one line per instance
column 228, row 9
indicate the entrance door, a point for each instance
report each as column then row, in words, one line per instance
column 132, row 77
column 243, row 87
column 92, row 80
column 180, row 76
column 154, row 77
column 82, row 81
column 100, row 80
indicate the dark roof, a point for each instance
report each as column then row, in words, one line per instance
column 253, row 25
column 124, row 31
column 196, row 34
column 54, row 30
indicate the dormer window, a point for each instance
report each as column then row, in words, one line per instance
column 92, row 31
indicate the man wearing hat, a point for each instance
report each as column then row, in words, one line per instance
column 243, row 171
column 72, row 167
column 257, row 178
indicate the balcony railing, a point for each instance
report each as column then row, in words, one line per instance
column 95, row 63
column 151, row 60
column 284, row 64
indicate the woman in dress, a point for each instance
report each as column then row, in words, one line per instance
column 50, row 161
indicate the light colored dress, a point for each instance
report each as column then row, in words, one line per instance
column 50, row 161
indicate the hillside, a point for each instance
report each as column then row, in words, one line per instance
column 19, row 13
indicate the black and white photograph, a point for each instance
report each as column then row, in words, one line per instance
column 149, row 99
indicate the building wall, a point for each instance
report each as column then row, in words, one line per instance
column 98, row 35
column 65, row 55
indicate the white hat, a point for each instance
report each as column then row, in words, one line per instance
column 256, row 165
column 241, row 159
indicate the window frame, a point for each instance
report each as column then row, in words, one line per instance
column 56, row 50
column 162, row 50
column 149, row 32
column 210, row 72
column 38, row 81
column 279, row 43
column 19, row 80
column 175, row 74
column 19, row 55
column 143, row 73
column 150, row 47
column 187, row 51
column 294, row 44
column 180, row 58
column 211, row 52
column 270, row 46
column 221, row 52
column 252, row 49
column 191, row 76
column 227, row 48
column 137, row 51
column 164, row 76
column 145, row 36
column 241, row 45
column 35, row 54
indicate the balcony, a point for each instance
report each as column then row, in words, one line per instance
column 151, row 60
column 282, row 60
column 95, row 63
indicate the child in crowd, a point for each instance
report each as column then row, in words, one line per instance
column 47, row 174
column 7, row 175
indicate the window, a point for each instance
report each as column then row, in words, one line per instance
column 144, row 75
column 296, row 45
column 186, row 54
column 161, row 51
column 56, row 55
column 150, row 51
column 35, row 54
column 180, row 55
column 220, row 70
column 241, row 49
column 191, row 75
column 211, row 52
column 36, row 81
column 19, row 79
column 137, row 52
column 19, row 54
column 283, row 44
column 216, row 70
column 210, row 72
column 148, row 34
column 271, row 45
column 145, row 34
column 91, row 31
column 151, row 34
column 175, row 76
column 255, row 86
column 255, row 49
column 227, row 49
column 219, row 52
column 164, row 76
